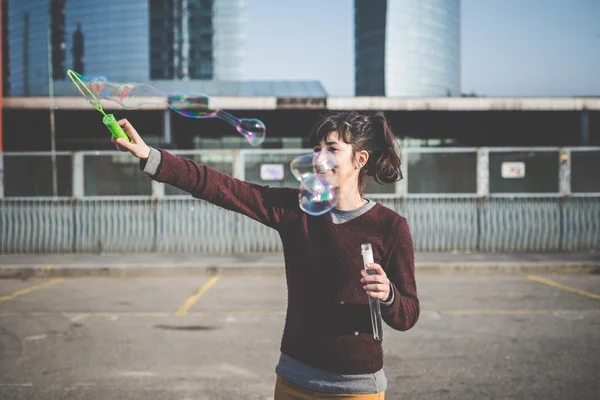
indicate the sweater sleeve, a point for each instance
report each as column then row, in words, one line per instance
column 261, row 203
column 404, row 311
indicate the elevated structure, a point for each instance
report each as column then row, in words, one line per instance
column 291, row 109
column 274, row 95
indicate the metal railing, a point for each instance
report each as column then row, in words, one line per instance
column 455, row 199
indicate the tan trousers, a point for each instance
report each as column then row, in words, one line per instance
column 287, row 391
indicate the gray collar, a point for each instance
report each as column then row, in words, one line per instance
column 341, row 216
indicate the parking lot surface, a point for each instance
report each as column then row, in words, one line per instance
column 479, row 337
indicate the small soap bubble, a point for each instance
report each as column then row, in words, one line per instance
column 253, row 130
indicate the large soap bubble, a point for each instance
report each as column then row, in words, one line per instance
column 318, row 186
column 191, row 105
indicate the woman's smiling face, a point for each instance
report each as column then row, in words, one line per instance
column 346, row 169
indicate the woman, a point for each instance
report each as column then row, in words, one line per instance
column 327, row 348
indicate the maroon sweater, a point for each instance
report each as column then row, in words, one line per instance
column 328, row 323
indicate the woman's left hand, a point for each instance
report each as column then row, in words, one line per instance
column 377, row 285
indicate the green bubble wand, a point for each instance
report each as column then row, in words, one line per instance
column 108, row 119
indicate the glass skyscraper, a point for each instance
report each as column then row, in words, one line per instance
column 126, row 41
column 196, row 39
column 407, row 48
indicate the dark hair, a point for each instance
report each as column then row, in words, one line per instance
column 371, row 133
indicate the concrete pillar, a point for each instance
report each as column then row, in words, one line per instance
column 483, row 172
column 78, row 188
column 167, row 126
column 239, row 167
column 564, row 172
column 585, row 127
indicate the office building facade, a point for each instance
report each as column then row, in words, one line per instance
column 126, row 41
column 5, row 69
column 407, row 48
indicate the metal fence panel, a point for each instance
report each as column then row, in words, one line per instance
column 443, row 224
column 252, row 236
column 36, row 226
column 520, row 224
column 581, row 219
column 439, row 224
column 114, row 226
column 190, row 225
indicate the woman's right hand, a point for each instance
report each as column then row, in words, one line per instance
column 137, row 147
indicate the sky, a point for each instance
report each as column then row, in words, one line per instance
column 508, row 47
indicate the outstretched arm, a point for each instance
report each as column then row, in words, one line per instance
column 261, row 203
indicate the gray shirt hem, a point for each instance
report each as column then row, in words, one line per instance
column 317, row 380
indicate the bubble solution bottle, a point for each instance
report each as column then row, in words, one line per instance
column 375, row 308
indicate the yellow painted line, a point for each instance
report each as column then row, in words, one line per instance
column 185, row 308
column 31, row 289
column 563, row 287
column 7, row 314
column 116, row 314
column 238, row 314
column 86, row 314
column 513, row 312
column 255, row 313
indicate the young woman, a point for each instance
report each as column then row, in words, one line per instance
column 327, row 348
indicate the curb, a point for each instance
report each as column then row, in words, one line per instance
column 25, row 271
column 531, row 267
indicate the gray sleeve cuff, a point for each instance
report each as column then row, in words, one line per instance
column 152, row 163
column 389, row 303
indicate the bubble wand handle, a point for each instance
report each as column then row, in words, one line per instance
column 366, row 250
column 113, row 126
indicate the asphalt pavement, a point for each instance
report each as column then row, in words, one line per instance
column 501, row 336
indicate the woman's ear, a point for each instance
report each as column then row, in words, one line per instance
column 361, row 159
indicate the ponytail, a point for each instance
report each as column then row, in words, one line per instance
column 384, row 165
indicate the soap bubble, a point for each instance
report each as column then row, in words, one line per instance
column 318, row 186
column 191, row 105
